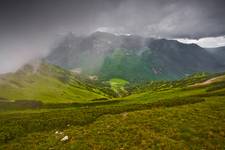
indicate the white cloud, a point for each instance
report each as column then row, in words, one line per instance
column 208, row 42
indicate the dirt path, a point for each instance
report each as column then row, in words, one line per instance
column 213, row 80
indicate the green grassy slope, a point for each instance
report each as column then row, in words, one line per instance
column 47, row 83
column 125, row 64
column 196, row 126
column 188, row 117
column 160, row 90
column 118, row 85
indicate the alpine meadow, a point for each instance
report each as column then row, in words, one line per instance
column 112, row 75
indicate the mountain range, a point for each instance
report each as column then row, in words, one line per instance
column 134, row 58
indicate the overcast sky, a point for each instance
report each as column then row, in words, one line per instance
column 29, row 27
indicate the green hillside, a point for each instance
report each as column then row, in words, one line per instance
column 47, row 83
column 184, row 114
column 125, row 64
column 118, row 85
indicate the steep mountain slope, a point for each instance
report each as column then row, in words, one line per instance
column 86, row 52
column 133, row 58
column 125, row 64
column 46, row 83
column 218, row 53
column 172, row 59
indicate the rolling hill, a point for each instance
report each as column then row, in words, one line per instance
column 46, row 83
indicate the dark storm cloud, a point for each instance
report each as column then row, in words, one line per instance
column 24, row 16
column 28, row 27
column 170, row 18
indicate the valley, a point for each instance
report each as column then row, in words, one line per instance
column 186, row 113
column 112, row 75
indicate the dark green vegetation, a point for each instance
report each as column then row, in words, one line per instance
column 134, row 58
column 183, row 114
column 125, row 64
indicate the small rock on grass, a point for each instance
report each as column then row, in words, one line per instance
column 65, row 138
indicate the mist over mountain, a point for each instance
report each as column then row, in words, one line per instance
column 132, row 57
column 218, row 53
column 29, row 27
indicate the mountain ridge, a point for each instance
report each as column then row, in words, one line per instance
column 164, row 59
